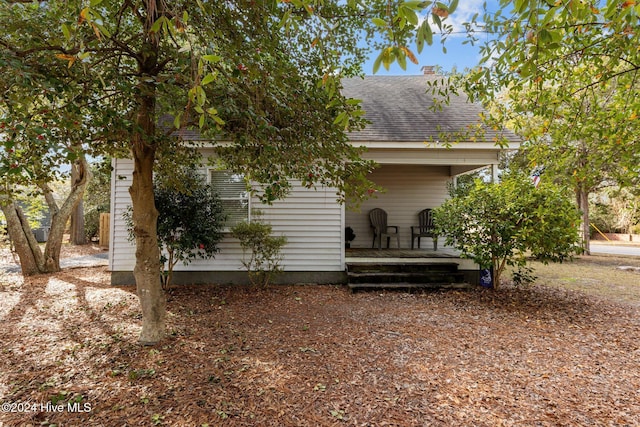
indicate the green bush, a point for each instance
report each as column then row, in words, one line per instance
column 261, row 250
column 602, row 216
column 190, row 222
column 501, row 224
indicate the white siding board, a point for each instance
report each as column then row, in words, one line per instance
column 122, row 252
column 409, row 189
column 310, row 219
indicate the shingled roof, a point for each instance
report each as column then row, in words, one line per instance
column 398, row 108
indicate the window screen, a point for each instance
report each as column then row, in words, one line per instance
column 232, row 190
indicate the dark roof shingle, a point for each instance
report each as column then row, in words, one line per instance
column 398, row 108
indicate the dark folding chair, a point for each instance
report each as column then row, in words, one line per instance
column 378, row 218
column 424, row 229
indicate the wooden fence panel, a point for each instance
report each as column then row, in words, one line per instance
column 104, row 229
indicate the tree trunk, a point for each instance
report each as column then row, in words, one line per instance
column 25, row 244
column 147, row 269
column 583, row 204
column 77, row 234
column 145, row 216
column 32, row 259
column 76, row 228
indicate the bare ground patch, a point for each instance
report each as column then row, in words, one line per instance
column 543, row 355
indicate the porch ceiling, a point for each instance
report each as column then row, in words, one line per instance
column 443, row 157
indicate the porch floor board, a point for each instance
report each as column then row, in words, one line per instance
column 400, row 253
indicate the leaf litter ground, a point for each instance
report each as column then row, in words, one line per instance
column 543, row 355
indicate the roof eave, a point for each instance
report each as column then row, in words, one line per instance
column 412, row 145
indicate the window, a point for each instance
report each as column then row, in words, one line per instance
column 232, row 190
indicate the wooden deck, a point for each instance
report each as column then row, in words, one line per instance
column 360, row 253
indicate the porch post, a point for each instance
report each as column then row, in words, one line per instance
column 494, row 173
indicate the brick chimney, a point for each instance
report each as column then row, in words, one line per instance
column 428, row 69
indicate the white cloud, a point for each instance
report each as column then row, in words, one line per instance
column 464, row 13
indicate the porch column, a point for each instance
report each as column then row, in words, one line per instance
column 494, row 173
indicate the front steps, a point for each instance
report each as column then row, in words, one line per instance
column 404, row 275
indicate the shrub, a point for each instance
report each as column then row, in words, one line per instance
column 190, row 223
column 500, row 224
column 261, row 250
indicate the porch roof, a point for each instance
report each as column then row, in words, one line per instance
column 398, row 108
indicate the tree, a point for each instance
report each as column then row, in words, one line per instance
column 41, row 129
column 616, row 210
column 589, row 143
column 537, row 42
column 570, row 71
column 30, row 153
column 500, row 224
column 263, row 76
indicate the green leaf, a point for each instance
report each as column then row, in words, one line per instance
column 388, row 56
column 436, row 20
column 428, row 33
column 208, row 79
column 379, row 22
column 340, row 118
column 412, row 17
column 66, row 32
column 402, row 59
column 157, row 25
column 378, row 62
column 103, row 29
column 453, row 6
column 212, row 59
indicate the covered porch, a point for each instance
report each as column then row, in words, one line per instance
column 410, row 184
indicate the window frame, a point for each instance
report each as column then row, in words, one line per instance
column 242, row 196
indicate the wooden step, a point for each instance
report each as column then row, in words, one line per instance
column 401, row 267
column 403, row 286
column 394, row 275
column 410, row 277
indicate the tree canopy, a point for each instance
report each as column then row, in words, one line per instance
column 261, row 79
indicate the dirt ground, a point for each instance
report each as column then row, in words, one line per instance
column 543, row 355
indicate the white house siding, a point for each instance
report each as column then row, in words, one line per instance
column 121, row 251
column 310, row 219
column 409, row 189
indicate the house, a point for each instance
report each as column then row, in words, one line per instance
column 406, row 138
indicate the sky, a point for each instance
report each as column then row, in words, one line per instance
column 458, row 55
